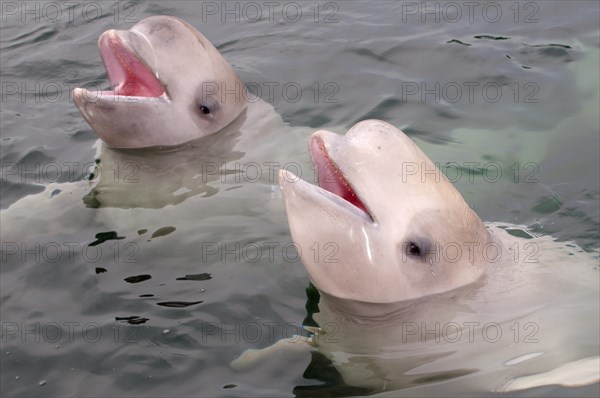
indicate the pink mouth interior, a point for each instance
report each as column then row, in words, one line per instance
column 329, row 176
column 126, row 73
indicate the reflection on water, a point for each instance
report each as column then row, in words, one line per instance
column 157, row 177
column 151, row 286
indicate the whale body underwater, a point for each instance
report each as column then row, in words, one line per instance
column 419, row 294
column 423, row 295
column 178, row 123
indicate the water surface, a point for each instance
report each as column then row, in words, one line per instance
column 155, row 314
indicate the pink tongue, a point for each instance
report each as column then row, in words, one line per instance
column 329, row 177
column 126, row 73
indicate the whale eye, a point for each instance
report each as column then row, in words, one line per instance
column 416, row 248
column 205, row 110
column 413, row 249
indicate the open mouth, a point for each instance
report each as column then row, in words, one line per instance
column 127, row 74
column 329, row 176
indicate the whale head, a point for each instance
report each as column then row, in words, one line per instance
column 169, row 85
column 383, row 225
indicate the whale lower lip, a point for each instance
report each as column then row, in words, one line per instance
column 295, row 186
column 128, row 74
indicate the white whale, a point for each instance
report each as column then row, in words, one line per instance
column 170, row 86
column 417, row 293
column 159, row 152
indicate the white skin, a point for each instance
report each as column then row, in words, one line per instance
column 412, row 213
column 375, row 286
column 172, row 86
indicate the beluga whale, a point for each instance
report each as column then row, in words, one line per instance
column 417, row 293
column 170, row 85
column 177, row 126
